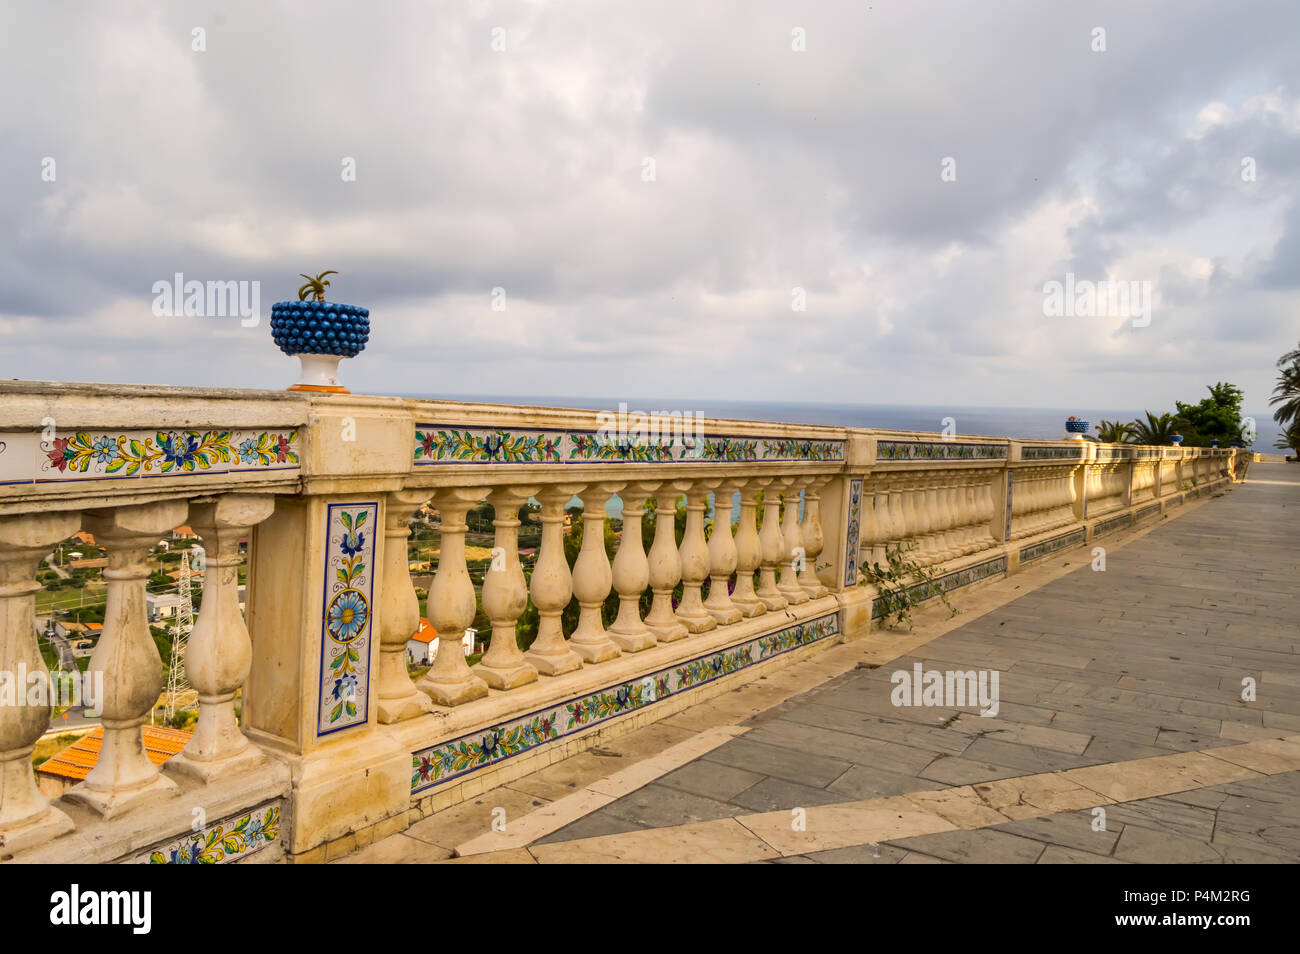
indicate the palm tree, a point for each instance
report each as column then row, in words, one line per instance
column 1114, row 432
column 1154, row 430
column 1286, row 393
column 1290, row 440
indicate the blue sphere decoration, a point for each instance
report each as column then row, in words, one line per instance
column 320, row 327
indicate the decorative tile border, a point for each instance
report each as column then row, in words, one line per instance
column 436, row 445
column 228, row 841
column 851, row 534
column 1114, row 453
column 346, row 612
column 442, row 763
column 117, row 454
column 1114, row 523
column 1146, row 512
column 1060, row 452
column 1174, row 501
column 1066, row 540
column 948, row 583
column 938, row 450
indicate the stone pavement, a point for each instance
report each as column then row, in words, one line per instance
column 1116, row 688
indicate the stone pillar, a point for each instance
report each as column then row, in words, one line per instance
column 128, row 658
column 552, row 587
column 592, row 579
column 722, row 558
column 452, row 606
column 632, row 574
column 814, row 541
column 505, row 594
column 694, row 554
column 26, row 818
column 792, row 539
column 772, row 547
column 399, row 613
column 748, row 552
column 665, row 567
column 219, row 652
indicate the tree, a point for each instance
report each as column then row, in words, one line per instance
column 1154, row 430
column 1218, row 416
column 1114, row 432
column 1290, row 439
column 1286, row 393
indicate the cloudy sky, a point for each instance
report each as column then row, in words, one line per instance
column 774, row 169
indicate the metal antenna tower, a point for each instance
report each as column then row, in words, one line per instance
column 176, row 681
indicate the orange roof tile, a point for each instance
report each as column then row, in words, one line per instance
column 426, row 633
column 78, row 759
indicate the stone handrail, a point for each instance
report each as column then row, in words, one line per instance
column 312, row 738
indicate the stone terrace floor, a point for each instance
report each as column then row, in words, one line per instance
column 1113, row 686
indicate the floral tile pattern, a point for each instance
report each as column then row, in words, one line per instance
column 948, row 583
column 228, row 841
column 1114, row 523
column 852, row 531
column 439, row 764
column 938, row 450
column 345, row 626
column 478, row 445
column 1061, row 452
column 91, row 455
column 1146, row 512
column 1041, row 549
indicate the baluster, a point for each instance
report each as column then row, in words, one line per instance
column 219, row 652
column 128, row 658
column 505, row 594
column 552, row 587
column 771, row 546
column 632, row 574
column 898, row 515
column 26, row 818
column 452, row 606
column 592, row 579
column 794, row 554
column 884, row 532
column 399, row 613
column 913, row 521
column 814, row 540
column 722, row 558
column 694, row 553
column 748, row 552
column 665, row 567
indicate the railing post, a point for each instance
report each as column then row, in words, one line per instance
column 128, row 658
column 632, row 573
column 219, row 652
column 449, row 681
column 552, row 587
column 665, row 566
column 722, row 557
column 26, row 818
column 694, row 553
column 505, row 594
column 592, row 579
column 399, row 613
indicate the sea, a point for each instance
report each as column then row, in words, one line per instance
column 1038, row 423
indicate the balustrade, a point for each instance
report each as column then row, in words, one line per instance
column 787, row 562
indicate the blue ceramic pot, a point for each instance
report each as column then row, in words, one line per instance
column 320, row 327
